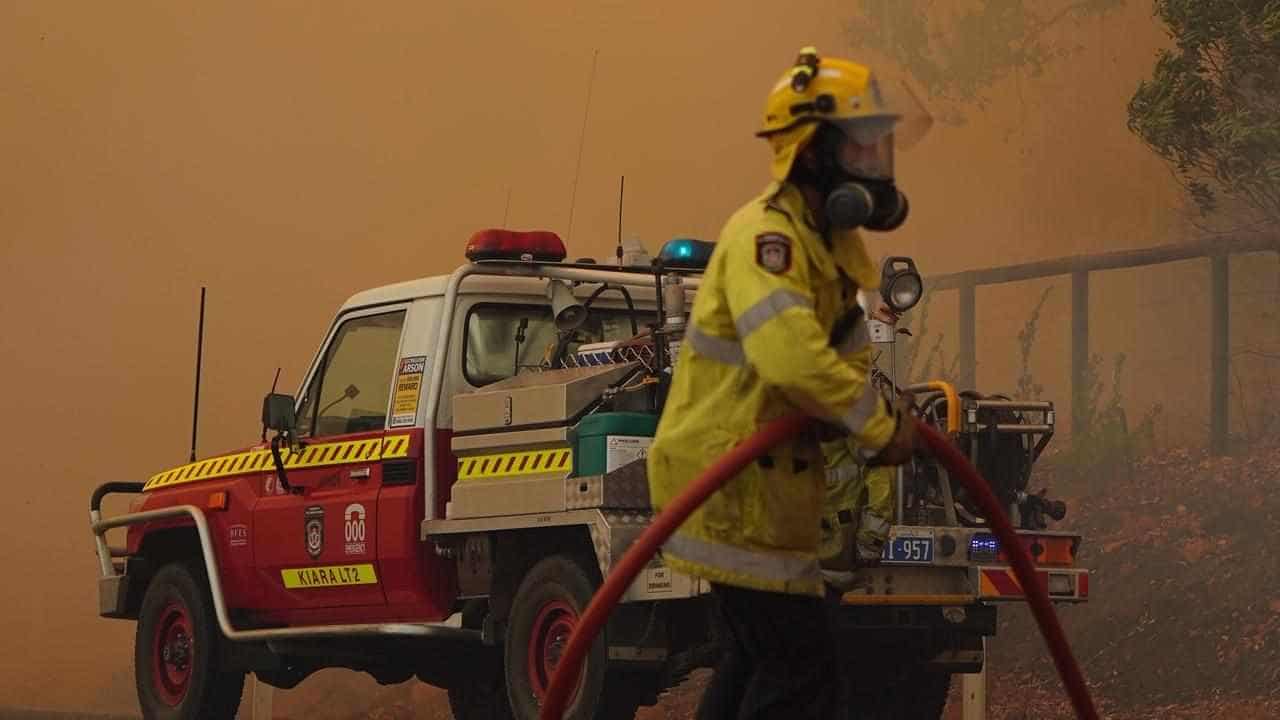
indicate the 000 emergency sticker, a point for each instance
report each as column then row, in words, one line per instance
column 404, row 403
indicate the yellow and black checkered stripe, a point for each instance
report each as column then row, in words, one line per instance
column 313, row 455
column 512, row 464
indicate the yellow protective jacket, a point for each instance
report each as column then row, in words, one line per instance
column 858, row 509
column 758, row 347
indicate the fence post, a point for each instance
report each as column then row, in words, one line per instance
column 973, row 690
column 968, row 335
column 1079, row 345
column 1219, row 352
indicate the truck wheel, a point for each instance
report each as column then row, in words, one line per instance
column 479, row 691
column 175, row 651
column 914, row 693
column 545, row 610
column 480, row 698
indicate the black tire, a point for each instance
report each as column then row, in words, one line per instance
column 479, row 692
column 176, row 651
column 552, row 595
column 912, row 693
column 480, row 697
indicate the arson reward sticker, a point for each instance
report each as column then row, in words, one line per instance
column 328, row 576
column 404, row 404
column 773, row 252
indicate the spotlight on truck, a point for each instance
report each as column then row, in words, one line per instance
column 900, row 283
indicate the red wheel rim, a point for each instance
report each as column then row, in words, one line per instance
column 172, row 653
column 551, row 630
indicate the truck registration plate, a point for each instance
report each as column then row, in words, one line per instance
column 909, row 548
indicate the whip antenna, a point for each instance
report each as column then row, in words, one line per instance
column 582, row 136
column 622, row 186
column 195, row 411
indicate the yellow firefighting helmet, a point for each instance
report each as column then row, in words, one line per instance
column 873, row 112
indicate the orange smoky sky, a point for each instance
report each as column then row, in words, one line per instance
column 287, row 154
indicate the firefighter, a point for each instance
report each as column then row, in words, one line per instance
column 776, row 328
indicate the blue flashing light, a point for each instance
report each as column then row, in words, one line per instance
column 686, row 253
column 984, row 547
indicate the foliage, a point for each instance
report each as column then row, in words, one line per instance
column 1102, row 441
column 958, row 56
column 1028, row 388
column 910, row 342
column 1212, row 105
column 937, row 365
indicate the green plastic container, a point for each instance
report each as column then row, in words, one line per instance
column 606, row 441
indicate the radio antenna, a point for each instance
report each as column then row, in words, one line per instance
column 622, row 187
column 582, row 137
column 195, row 411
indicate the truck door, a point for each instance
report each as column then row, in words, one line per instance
column 316, row 545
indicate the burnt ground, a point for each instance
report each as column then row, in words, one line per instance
column 1184, row 619
column 1185, row 609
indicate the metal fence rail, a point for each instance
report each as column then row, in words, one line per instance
column 1217, row 251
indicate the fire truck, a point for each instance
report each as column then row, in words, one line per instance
column 462, row 465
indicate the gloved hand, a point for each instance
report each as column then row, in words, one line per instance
column 905, row 441
column 865, row 563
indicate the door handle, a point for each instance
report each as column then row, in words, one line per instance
column 359, row 474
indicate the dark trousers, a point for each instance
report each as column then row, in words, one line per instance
column 778, row 658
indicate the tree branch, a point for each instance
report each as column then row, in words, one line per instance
column 1043, row 25
column 1256, row 353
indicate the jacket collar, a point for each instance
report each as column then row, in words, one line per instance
column 847, row 251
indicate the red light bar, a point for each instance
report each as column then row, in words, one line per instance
column 530, row 246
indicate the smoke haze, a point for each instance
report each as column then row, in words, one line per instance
column 288, row 154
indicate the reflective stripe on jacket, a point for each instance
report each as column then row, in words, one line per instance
column 759, row 346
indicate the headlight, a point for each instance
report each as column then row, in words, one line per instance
column 900, row 283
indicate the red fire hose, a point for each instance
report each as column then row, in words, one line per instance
column 729, row 465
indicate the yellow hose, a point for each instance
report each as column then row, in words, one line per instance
column 953, row 401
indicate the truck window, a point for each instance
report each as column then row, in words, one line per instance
column 503, row 340
column 350, row 391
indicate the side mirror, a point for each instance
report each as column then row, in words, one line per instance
column 278, row 414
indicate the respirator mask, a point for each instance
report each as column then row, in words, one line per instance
column 855, row 174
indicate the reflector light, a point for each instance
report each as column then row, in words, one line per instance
column 1061, row 584
column 1047, row 551
column 217, row 500
column 983, row 547
column 529, row 246
column 686, row 253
